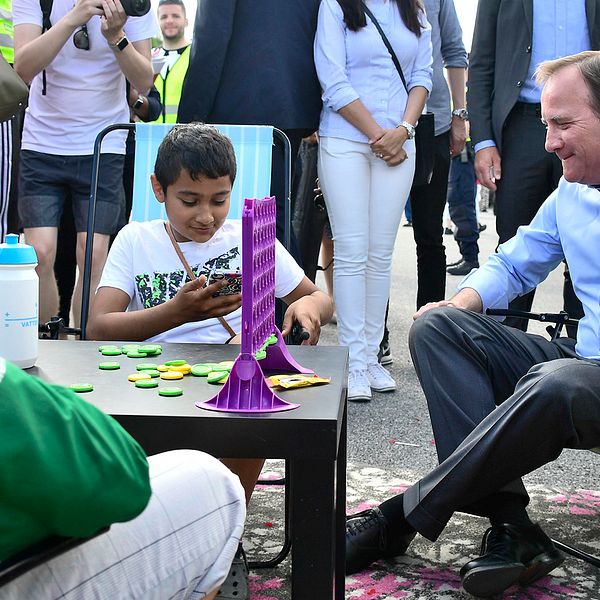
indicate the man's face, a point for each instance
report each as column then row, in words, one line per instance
column 196, row 208
column 172, row 21
column 573, row 127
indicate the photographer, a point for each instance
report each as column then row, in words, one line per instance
column 77, row 60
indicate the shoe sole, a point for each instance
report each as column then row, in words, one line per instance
column 386, row 360
column 540, row 566
column 384, row 389
column 485, row 582
column 364, row 398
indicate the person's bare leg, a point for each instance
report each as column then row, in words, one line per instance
column 248, row 470
column 43, row 239
column 99, row 253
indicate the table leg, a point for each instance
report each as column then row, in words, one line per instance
column 313, row 528
column 340, row 514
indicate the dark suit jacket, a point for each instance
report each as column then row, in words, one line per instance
column 252, row 63
column 500, row 57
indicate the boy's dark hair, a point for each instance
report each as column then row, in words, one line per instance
column 200, row 149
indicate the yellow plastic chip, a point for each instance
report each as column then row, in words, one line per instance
column 138, row 376
column 171, row 375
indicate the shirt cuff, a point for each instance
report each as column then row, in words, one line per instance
column 484, row 144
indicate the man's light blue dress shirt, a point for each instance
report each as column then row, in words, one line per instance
column 567, row 226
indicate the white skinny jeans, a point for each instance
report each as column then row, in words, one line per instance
column 180, row 547
column 365, row 199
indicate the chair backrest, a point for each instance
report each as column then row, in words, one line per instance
column 253, row 145
column 253, row 150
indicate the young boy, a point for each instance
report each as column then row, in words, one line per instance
column 143, row 293
column 194, row 173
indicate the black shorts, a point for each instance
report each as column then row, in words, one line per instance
column 47, row 180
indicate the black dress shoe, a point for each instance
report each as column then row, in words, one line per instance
column 368, row 539
column 510, row 554
column 463, row 267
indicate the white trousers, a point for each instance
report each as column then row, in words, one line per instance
column 365, row 200
column 181, row 546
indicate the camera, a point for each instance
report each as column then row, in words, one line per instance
column 136, row 8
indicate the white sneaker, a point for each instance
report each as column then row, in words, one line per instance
column 358, row 386
column 379, row 378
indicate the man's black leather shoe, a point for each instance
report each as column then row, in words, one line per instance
column 510, row 554
column 464, row 267
column 368, row 540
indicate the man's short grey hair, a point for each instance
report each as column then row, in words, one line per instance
column 588, row 64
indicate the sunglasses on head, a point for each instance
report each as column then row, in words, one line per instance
column 81, row 39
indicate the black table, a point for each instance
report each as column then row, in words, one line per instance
column 312, row 438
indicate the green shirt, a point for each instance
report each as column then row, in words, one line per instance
column 66, row 468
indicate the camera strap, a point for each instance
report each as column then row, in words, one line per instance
column 190, row 273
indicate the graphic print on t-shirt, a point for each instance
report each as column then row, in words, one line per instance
column 157, row 287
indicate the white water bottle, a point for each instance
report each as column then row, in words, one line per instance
column 19, row 288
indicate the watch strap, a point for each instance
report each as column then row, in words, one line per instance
column 120, row 44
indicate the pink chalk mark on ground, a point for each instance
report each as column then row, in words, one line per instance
column 364, row 586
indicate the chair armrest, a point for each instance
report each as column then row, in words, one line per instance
column 39, row 553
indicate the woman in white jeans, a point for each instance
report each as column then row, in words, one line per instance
column 367, row 160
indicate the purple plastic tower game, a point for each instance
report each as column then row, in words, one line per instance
column 246, row 390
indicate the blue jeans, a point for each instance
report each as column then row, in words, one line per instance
column 462, row 190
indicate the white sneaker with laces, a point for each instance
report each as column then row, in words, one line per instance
column 379, row 378
column 358, row 386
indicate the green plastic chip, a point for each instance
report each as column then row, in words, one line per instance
column 109, row 366
column 272, row 339
column 149, row 348
column 202, row 369
column 107, row 347
column 260, row 354
column 170, row 391
column 81, row 388
column 136, row 354
column 146, row 366
column 146, row 383
column 175, row 363
column 217, row 376
column 125, row 348
column 152, row 372
column 111, row 352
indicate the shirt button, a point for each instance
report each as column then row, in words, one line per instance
column 519, row 84
column 528, row 49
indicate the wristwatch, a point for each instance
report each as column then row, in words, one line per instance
column 120, row 44
column 138, row 103
column 410, row 129
column 461, row 113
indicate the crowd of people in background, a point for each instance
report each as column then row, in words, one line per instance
column 347, row 82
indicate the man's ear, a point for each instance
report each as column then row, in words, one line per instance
column 157, row 188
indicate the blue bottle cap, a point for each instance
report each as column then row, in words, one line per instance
column 14, row 253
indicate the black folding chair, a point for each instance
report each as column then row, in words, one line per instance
column 38, row 554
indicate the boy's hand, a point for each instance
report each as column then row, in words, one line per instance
column 305, row 312
column 196, row 302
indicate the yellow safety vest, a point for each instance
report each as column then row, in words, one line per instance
column 171, row 86
column 6, row 31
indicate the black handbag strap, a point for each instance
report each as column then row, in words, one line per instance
column 387, row 44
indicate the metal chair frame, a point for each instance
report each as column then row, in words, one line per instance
column 279, row 138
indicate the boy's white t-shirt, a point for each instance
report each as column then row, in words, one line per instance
column 85, row 89
column 142, row 262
